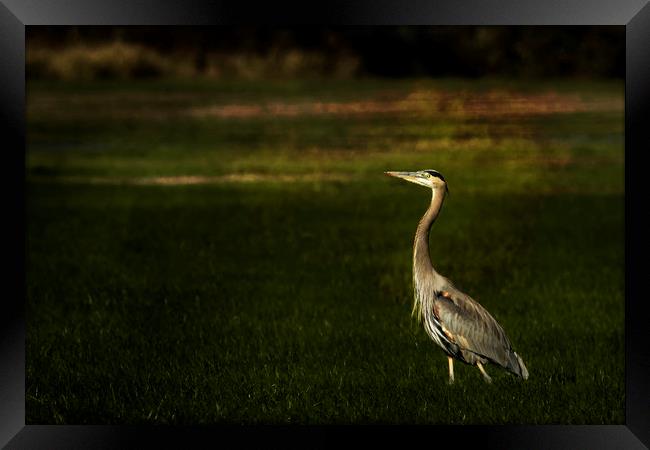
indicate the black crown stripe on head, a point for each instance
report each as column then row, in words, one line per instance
column 435, row 173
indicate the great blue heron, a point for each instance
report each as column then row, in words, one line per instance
column 456, row 322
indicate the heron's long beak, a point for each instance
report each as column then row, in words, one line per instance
column 413, row 177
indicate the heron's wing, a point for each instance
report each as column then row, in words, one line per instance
column 471, row 326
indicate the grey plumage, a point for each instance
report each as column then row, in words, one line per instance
column 458, row 324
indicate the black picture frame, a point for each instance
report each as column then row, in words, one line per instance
column 15, row 15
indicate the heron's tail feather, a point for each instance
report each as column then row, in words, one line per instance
column 516, row 365
column 523, row 372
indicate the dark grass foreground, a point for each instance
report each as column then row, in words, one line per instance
column 279, row 290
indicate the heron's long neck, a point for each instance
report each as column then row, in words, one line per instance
column 425, row 277
column 421, row 256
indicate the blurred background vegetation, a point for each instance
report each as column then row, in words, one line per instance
column 253, row 53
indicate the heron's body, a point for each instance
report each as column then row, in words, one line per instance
column 458, row 324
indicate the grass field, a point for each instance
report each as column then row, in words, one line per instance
column 202, row 252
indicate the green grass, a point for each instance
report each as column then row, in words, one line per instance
column 289, row 301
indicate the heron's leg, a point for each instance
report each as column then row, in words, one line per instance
column 485, row 375
column 451, row 369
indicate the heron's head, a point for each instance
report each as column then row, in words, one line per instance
column 428, row 178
